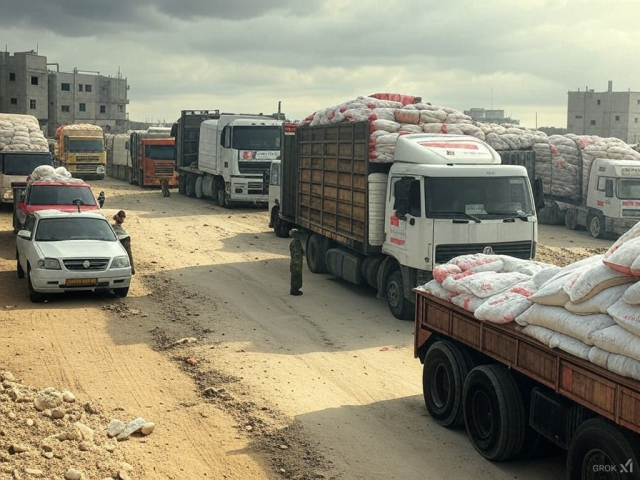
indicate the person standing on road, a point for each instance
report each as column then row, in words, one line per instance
column 123, row 236
column 295, row 248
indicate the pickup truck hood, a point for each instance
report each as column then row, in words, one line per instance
column 81, row 249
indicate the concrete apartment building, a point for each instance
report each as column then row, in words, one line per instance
column 28, row 86
column 490, row 116
column 606, row 114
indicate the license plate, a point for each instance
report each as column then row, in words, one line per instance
column 80, row 282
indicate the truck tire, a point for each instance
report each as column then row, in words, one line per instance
column 494, row 412
column 571, row 219
column 598, row 447
column 595, row 225
column 280, row 227
column 317, row 247
column 400, row 306
column 198, row 187
column 190, row 187
column 182, row 184
column 445, row 369
column 370, row 268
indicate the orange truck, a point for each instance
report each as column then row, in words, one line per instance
column 81, row 150
column 153, row 157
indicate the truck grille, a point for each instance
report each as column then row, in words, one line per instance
column 94, row 264
column 253, row 167
column 87, row 159
column 444, row 253
column 256, row 188
column 631, row 212
column 164, row 170
column 84, row 168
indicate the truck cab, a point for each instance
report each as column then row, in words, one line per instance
column 16, row 167
column 613, row 199
column 81, row 150
column 153, row 157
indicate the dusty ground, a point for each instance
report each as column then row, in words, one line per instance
column 267, row 386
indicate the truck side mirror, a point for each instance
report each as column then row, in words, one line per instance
column 608, row 188
column 538, row 194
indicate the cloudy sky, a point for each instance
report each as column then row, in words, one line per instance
column 246, row 55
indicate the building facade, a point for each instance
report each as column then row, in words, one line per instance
column 29, row 87
column 490, row 116
column 606, row 114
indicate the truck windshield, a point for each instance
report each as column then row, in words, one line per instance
column 81, row 228
column 629, row 189
column 58, row 195
column 160, row 152
column 481, row 197
column 256, row 138
column 23, row 163
column 85, row 145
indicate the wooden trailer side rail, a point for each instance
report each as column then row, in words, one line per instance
column 608, row 394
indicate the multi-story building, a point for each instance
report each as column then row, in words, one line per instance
column 56, row 98
column 490, row 116
column 23, row 84
column 606, row 114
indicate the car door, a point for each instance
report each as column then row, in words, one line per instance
column 25, row 246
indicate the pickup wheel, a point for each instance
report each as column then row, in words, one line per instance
column 34, row 296
column 400, row 307
column 494, row 412
column 595, row 225
column 317, row 247
column 445, row 369
column 121, row 292
column 19, row 267
column 600, row 450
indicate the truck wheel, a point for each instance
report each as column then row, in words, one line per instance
column 601, row 450
column 182, row 183
column 444, row 372
column 280, row 227
column 317, row 247
column 190, row 187
column 223, row 198
column 400, row 307
column 595, row 223
column 571, row 219
column 198, row 187
column 494, row 412
column 370, row 268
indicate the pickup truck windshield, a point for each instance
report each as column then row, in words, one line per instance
column 58, row 195
column 62, row 229
column 160, row 152
column 482, row 197
column 85, row 145
column 629, row 189
column 23, row 163
column 256, row 138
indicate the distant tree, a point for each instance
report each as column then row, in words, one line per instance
column 554, row 130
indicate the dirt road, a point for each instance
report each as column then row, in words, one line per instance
column 318, row 386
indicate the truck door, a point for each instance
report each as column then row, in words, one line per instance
column 406, row 222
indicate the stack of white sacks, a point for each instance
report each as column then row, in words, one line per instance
column 590, row 309
column 46, row 173
column 21, row 133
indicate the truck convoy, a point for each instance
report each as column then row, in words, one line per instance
column 81, row 150
column 225, row 156
column 389, row 224
column 152, row 154
column 23, row 147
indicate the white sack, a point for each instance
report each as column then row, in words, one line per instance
column 627, row 316
column 616, row 339
column 598, row 303
column 632, row 295
column 592, row 280
column 502, row 308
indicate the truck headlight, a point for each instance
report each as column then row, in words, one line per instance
column 100, row 169
column 49, row 264
column 8, row 195
column 120, row 262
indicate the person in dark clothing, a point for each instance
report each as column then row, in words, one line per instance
column 296, row 250
column 164, row 184
column 123, row 236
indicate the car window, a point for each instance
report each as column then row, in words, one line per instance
column 69, row 228
column 30, row 223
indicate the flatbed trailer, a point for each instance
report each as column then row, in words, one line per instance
column 511, row 391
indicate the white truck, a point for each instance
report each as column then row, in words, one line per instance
column 612, row 201
column 226, row 156
column 389, row 225
column 118, row 156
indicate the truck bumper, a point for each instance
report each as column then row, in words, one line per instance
column 248, row 190
column 619, row 226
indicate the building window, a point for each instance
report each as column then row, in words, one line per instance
column 32, row 104
column 82, row 107
column 598, row 102
column 80, row 87
column 638, row 102
column 636, row 119
column 578, row 116
column 593, row 122
column 103, row 109
column 65, row 87
column 120, row 108
column 64, row 108
column 617, row 118
column 34, row 80
column 14, row 101
column 12, row 77
column 87, row 88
